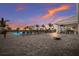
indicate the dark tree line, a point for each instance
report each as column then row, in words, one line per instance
column 3, row 27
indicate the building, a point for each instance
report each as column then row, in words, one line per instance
column 69, row 25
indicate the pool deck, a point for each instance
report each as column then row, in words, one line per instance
column 39, row 45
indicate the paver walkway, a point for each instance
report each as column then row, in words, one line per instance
column 39, row 45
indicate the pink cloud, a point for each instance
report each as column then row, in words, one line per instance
column 53, row 11
column 20, row 7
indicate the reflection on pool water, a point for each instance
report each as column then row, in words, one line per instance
column 15, row 33
column 21, row 33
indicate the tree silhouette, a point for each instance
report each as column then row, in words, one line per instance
column 25, row 28
column 3, row 22
column 50, row 26
column 37, row 26
column 3, row 25
column 9, row 28
column 17, row 29
column 44, row 26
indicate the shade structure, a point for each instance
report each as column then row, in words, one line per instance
column 67, row 21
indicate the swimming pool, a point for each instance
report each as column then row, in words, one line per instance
column 17, row 33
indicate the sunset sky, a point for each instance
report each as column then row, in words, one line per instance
column 20, row 14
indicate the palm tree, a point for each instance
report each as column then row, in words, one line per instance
column 3, row 22
column 3, row 25
column 25, row 28
column 37, row 26
column 31, row 29
column 17, row 29
column 37, row 30
column 50, row 26
column 44, row 26
column 9, row 28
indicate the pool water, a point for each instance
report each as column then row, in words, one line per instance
column 21, row 33
column 15, row 33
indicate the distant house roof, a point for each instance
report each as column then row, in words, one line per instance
column 70, row 20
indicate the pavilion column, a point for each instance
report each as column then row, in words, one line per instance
column 78, row 28
column 58, row 30
column 78, row 16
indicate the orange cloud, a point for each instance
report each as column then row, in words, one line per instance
column 20, row 7
column 33, row 22
column 14, row 26
column 53, row 11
